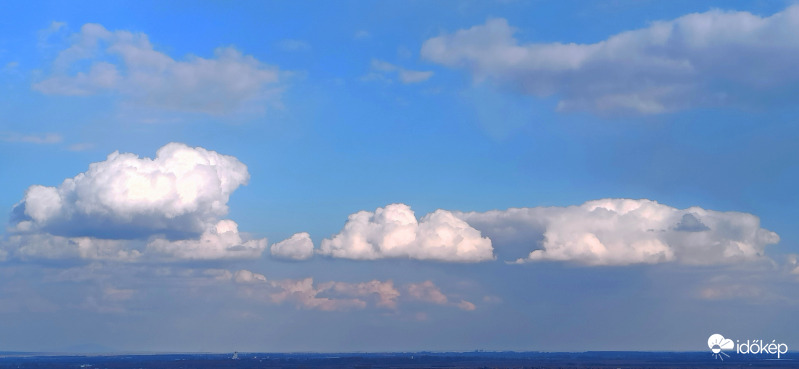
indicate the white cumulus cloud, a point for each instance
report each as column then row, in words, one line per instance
column 182, row 190
column 626, row 231
column 394, row 232
column 127, row 64
column 297, row 247
column 174, row 202
column 713, row 58
column 220, row 242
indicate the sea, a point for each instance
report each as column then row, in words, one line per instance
column 477, row 359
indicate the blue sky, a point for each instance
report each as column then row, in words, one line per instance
column 387, row 176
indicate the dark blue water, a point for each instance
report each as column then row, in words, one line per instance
column 604, row 359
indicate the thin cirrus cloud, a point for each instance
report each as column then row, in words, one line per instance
column 394, row 232
column 127, row 64
column 627, row 231
column 716, row 58
column 170, row 206
column 40, row 139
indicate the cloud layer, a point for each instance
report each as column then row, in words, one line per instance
column 173, row 201
column 626, row 231
column 126, row 63
column 337, row 296
column 394, row 232
column 704, row 59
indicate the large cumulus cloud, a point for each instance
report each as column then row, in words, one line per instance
column 704, row 59
column 394, row 232
column 174, row 202
column 626, row 231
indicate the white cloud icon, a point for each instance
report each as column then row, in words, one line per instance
column 717, row 343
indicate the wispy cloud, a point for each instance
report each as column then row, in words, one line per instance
column 716, row 58
column 220, row 85
column 44, row 138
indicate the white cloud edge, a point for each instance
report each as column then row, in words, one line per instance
column 627, row 231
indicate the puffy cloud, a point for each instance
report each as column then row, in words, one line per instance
column 625, row 231
column 394, row 232
column 381, row 70
column 174, row 201
column 127, row 63
column 703, row 59
column 297, row 247
column 246, row 276
column 466, row 305
column 182, row 191
column 220, row 242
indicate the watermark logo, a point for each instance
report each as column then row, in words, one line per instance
column 718, row 344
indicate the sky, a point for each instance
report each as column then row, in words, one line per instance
column 398, row 175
